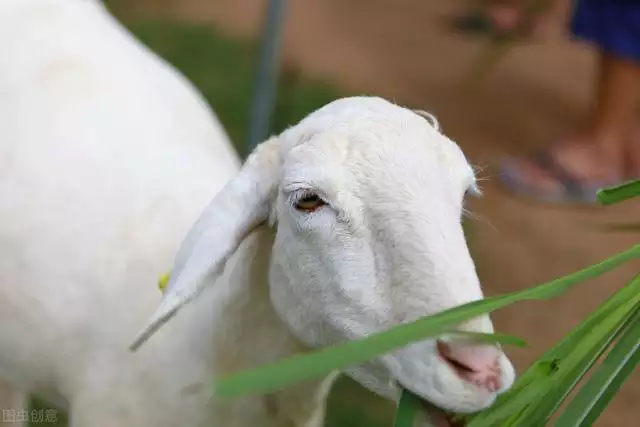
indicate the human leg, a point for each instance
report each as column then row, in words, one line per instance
column 597, row 153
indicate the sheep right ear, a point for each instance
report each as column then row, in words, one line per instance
column 433, row 121
column 241, row 206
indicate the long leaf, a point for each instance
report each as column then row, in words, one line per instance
column 548, row 363
column 569, row 341
column 576, row 363
column 539, row 371
column 619, row 193
column 322, row 362
column 596, row 394
column 575, row 366
column 407, row 409
column 534, row 392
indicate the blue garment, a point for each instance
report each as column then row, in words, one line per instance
column 612, row 25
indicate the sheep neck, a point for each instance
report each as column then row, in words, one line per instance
column 249, row 333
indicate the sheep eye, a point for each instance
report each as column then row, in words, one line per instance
column 309, row 203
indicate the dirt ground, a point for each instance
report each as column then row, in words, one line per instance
column 404, row 50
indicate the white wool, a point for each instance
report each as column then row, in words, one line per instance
column 108, row 156
column 385, row 247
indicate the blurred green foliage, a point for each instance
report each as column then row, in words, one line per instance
column 223, row 70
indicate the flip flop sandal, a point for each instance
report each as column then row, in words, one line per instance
column 573, row 189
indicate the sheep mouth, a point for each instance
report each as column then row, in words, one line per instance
column 437, row 416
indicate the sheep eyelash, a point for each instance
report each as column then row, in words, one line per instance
column 300, row 194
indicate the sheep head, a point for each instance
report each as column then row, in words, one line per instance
column 367, row 198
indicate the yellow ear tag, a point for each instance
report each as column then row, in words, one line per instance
column 162, row 283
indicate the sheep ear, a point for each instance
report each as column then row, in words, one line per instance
column 433, row 121
column 241, row 206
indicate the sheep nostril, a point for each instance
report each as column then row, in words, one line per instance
column 476, row 364
column 463, row 369
column 446, row 353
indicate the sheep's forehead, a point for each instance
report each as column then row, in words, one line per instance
column 375, row 153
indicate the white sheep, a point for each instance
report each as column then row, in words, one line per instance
column 107, row 156
column 343, row 225
column 346, row 224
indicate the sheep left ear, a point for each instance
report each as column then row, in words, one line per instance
column 433, row 121
column 241, row 206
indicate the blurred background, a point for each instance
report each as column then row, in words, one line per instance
column 409, row 52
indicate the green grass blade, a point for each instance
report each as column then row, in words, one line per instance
column 305, row 366
column 576, row 365
column 538, row 371
column 619, row 193
column 558, row 286
column 597, row 393
column 566, row 344
column 548, row 363
column 408, row 407
column 528, row 395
